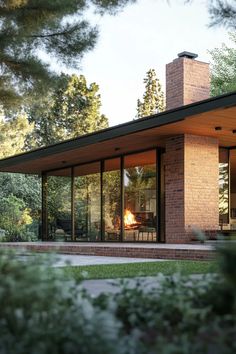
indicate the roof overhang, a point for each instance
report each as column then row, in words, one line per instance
column 199, row 118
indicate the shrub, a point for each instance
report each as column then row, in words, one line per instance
column 184, row 314
column 43, row 312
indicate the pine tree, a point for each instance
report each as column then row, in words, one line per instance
column 153, row 98
column 223, row 12
column 55, row 27
column 72, row 110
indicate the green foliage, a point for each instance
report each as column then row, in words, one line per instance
column 183, row 314
column 29, row 28
column 14, row 217
column 13, row 133
column 20, row 194
column 73, row 109
column 25, row 187
column 44, row 312
column 223, row 72
column 153, row 98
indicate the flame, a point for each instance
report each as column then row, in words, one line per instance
column 129, row 218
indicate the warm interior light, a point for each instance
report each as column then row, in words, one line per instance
column 129, row 218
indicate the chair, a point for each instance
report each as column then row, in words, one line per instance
column 146, row 230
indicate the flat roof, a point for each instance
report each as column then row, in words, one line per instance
column 199, row 118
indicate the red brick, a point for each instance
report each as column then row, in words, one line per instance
column 187, row 81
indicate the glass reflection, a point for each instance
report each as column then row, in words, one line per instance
column 87, row 202
column 223, row 188
column 59, row 205
column 140, row 214
column 111, row 199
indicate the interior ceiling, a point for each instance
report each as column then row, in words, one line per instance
column 200, row 124
column 133, row 160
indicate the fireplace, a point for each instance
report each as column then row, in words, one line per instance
column 140, row 197
column 130, row 222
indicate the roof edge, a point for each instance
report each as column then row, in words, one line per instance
column 155, row 120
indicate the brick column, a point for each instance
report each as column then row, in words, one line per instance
column 191, row 186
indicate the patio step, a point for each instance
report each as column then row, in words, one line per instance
column 154, row 251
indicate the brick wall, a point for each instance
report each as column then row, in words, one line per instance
column 174, row 189
column 187, row 81
column 175, row 84
column 191, row 186
column 201, row 182
column 196, row 252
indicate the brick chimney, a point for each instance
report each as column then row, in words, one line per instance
column 187, row 80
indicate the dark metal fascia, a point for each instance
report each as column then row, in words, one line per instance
column 158, row 120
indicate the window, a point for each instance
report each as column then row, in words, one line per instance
column 112, row 199
column 59, row 205
column 87, row 202
column 140, row 212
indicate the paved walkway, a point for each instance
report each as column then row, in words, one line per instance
column 113, row 286
column 77, row 260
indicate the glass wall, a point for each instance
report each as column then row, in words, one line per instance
column 232, row 189
column 87, row 202
column 112, row 200
column 58, row 203
column 223, row 188
column 140, row 207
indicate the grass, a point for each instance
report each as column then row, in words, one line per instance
column 131, row 270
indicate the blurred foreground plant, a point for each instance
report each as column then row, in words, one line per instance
column 42, row 311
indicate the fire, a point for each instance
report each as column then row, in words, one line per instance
column 129, row 218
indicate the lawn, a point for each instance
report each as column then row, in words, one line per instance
column 130, row 270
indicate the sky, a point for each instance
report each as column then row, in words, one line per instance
column 145, row 35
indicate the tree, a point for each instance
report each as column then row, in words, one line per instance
column 223, row 12
column 223, row 73
column 55, row 27
column 13, row 133
column 24, row 187
column 19, row 194
column 153, row 98
column 73, row 109
column 14, row 218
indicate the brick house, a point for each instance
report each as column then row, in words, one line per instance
column 155, row 179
